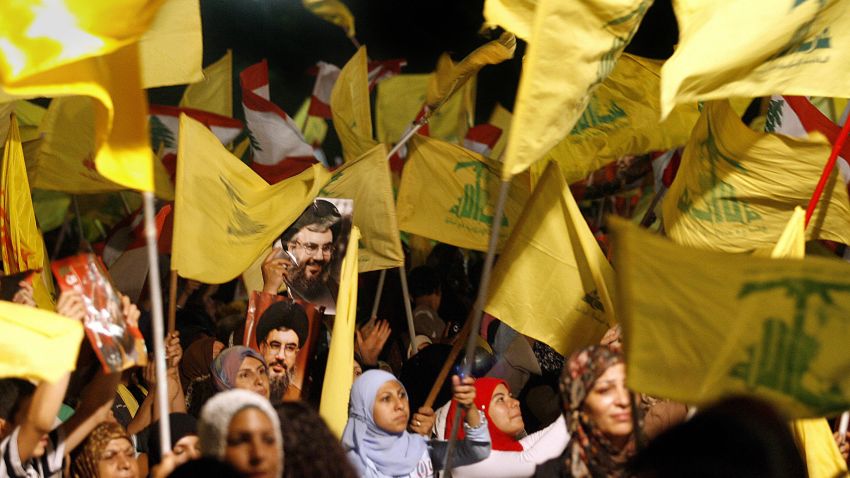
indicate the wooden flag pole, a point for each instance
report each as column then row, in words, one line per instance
column 478, row 310
column 172, row 302
column 447, row 365
column 827, row 171
column 156, row 319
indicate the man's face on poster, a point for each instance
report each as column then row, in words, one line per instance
column 313, row 250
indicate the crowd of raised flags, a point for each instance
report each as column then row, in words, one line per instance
column 714, row 293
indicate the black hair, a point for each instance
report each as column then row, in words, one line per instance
column 310, row 448
column 320, row 216
column 205, row 466
column 424, row 281
column 13, row 391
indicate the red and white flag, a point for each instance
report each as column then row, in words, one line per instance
column 278, row 149
column 482, row 138
column 326, row 75
column 165, row 130
column 383, row 69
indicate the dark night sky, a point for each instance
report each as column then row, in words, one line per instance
column 293, row 40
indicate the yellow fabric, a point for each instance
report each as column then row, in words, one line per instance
column 214, row 93
column 78, row 47
column 500, row 118
column 368, row 182
column 729, row 48
column 313, row 128
column 26, row 333
column 171, row 50
column 735, row 187
column 20, row 239
column 449, row 77
column 552, row 281
column 401, row 97
column 352, row 114
column 340, row 370
column 820, row 452
column 29, row 116
column 63, row 159
column 514, row 16
column 449, row 193
column 225, row 215
column 623, row 118
column 333, row 11
column 129, row 400
column 572, row 48
column 719, row 323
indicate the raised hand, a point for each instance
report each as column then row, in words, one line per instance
column 371, row 340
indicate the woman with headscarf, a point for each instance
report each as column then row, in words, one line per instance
column 242, row 429
column 241, row 367
column 184, row 440
column 376, row 439
column 513, row 455
column 598, row 410
column 195, row 372
column 106, row 453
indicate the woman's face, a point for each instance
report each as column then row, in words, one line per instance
column 391, row 410
column 253, row 376
column 187, row 448
column 251, row 445
column 118, row 460
column 608, row 405
column 505, row 413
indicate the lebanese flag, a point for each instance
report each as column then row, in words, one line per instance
column 380, row 70
column 278, row 149
column 165, row 130
column 129, row 234
column 482, row 138
column 797, row 117
column 326, row 75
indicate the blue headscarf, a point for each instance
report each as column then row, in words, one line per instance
column 394, row 454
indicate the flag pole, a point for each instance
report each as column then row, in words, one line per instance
column 408, row 310
column 378, row 294
column 478, row 309
column 156, row 318
column 172, row 302
column 404, row 139
column 827, row 171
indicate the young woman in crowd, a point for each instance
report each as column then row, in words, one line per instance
column 513, row 455
column 241, row 367
column 598, row 411
column 107, row 452
column 378, row 444
column 242, row 429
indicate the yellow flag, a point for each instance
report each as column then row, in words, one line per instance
column 449, row 77
column 225, row 215
column 719, row 323
column 340, row 370
column 29, row 117
column 20, row 239
column 171, row 50
column 64, row 159
column 215, row 92
column 401, row 97
column 368, row 182
column 623, row 118
column 333, row 11
column 448, row 193
column 735, row 187
column 756, row 48
column 26, row 333
column 313, row 128
column 513, row 16
column 90, row 49
column 552, row 281
column 562, row 70
column 352, row 114
column 820, row 452
column 500, row 118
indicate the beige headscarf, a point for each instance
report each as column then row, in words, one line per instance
column 85, row 464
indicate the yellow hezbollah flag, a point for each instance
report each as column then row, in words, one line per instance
column 513, row 16
column 448, row 193
column 352, row 114
column 340, row 371
column 622, row 118
column 367, row 180
column 225, row 215
column 562, row 70
column 314, row 128
column 86, row 48
column 735, row 187
column 29, row 117
column 729, row 48
column 171, row 50
column 333, row 11
column 449, row 77
column 500, row 118
column 64, row 159
column 552, row 281
column 720, row 324
column 20, row 239
column 792, row 241
column 26, row 333
column 215, row 92
column 401, row 97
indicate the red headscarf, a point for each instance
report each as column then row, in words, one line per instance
column 484, row 388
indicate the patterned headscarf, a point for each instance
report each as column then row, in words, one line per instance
column 85, row 464
column 589, row 452
column 225, row 367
